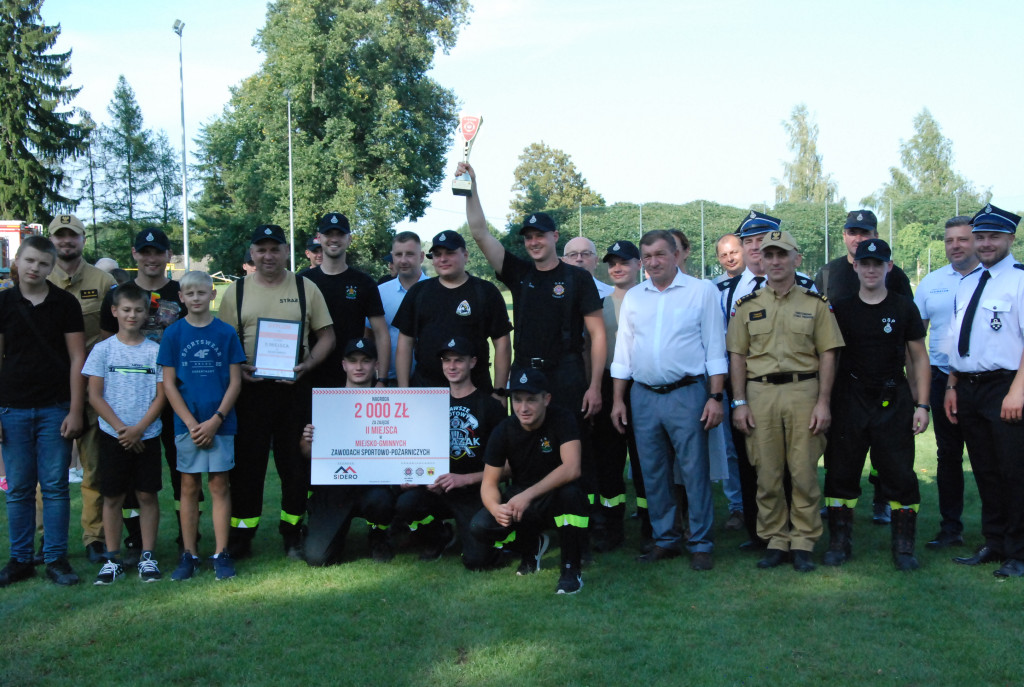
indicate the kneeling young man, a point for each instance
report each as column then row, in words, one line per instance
column 540, row 447
column 473, row 415
column 331, row 508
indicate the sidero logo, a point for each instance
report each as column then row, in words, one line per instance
column 345, row 472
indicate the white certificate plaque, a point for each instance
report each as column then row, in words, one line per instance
column 379, row 436
column 277, row 348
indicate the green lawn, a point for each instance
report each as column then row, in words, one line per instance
column 409, row 623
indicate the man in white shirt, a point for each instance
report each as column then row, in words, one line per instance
column 671, row 343
column 934, row 299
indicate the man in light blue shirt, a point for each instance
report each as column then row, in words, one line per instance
column 934, row 298
column 407, row 256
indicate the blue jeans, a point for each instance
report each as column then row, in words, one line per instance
column 34, row 451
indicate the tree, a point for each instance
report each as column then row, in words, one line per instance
column 547, row 179
column 803, row 179
column 129, row 157
column 370, row 127
column 84, row 176
column 167, row 181
column 36, row 135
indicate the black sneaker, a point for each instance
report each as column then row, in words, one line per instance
column 881, row 513
column 16, row 571
column 570, row 582
column 148, row 572
column 531, row 561
column 109, row 573
column 444, row 541
column 60, row 572
column 95, row 551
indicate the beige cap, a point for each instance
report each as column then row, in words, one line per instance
column 66, row 222
column 780, row 239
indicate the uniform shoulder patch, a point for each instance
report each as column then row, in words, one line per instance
column 1018, row 266
column 749, row 297
column 820, row 296
column 805, row 282
column 726, row 284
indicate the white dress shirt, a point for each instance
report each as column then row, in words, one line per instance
column 997, row 336
column 934, row 299
column 603, row 290
column 667, row 335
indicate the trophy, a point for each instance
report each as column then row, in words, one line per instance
column 469, row 125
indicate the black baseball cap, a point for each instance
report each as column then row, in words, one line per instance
column 540, row 221
column 875, row 249
column 864, row 220
column 364, row 346
column 450, row 240
column 622, row 249
column 153, row 238
column 333, row 220
column 459, row 345
column 528, row 379
column 268, row 231
column 313, row 243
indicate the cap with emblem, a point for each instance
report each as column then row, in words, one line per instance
column 529, row 380
column 779, row 239
column 991, row 218
column 757, row 223
column 268, row 232
column 876, row 249
column 622, row 249
column 333, row 220
column 66, row 222
column 449, row 240
column 541, row 221
column 153, row 238
column 313, row 243
column 458, row 345
column 364, row 346
column 861, row 219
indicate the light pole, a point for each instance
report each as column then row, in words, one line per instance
column 179, row 26
column 291, row 194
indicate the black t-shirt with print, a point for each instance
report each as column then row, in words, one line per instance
column 531, row 455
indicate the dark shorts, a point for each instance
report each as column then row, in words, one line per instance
column 121, row 470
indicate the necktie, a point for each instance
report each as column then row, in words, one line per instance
column 758, row 281
column 972, row 307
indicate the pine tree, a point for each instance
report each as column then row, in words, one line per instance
column 36, row 135
column 129, row 157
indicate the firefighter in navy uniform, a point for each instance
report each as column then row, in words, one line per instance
column 985, row 390
column 873, row 407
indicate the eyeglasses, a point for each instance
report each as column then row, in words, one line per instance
column 580, row 254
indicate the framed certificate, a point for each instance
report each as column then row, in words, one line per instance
column 277, row 348
column 380, row 436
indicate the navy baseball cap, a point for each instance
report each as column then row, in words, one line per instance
column 529, row 380
column 268, row 231
column 389, row 258
column 247, row 258
column 459, row 345
column 313, row 243
column 622, row 249
column 364, row 346
column 991, row 218
column 757, row 223
column 333, row 220
column 876, row 249
column 861, row 219
column 451, row 240
column 153, row 238
column 541, row 221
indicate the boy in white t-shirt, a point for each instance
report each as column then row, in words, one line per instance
column 126, row 391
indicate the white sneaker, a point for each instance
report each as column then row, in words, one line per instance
column 75, row 476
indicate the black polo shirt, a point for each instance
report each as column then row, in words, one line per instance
column 531, row 455
column 36, row 369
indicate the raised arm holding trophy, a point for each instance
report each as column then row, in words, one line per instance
column 469, row 125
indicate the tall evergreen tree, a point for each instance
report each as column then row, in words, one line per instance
column 36, row 135
column 129, row 157
column 167, row 176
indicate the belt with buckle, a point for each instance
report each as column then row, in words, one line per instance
column 665, row 388
column 984, row 377
column 783, row 377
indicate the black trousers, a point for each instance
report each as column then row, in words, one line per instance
column 876, row 419
column 331, row 510
column 270, row 414
column 424, row 510
column 996, row 451
column 564, row 508
column 610, row 450
column 949, row 444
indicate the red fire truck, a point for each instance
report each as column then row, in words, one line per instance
column 12, row 231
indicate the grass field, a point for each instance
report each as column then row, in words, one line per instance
column 410, row 623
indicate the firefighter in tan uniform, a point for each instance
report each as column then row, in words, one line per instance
column 783, row 342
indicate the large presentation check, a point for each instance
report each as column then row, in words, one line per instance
column 379, row 436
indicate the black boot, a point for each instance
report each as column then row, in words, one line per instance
column 240, row 542
column 904, row 530
column 613, row 535
column 840, row 533
column 292, row 536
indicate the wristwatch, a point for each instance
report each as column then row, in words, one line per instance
column 717, row 397
column 925, row 406
column 738, row 402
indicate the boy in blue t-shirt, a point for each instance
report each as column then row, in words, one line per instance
column 125, row 390
column 201, row 358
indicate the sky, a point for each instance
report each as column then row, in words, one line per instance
column 666, row 101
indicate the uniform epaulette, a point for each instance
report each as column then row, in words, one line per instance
column 749, row 297
column 805, row 282
column 815, row 294
column 726, row 284
column 1018, row 266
